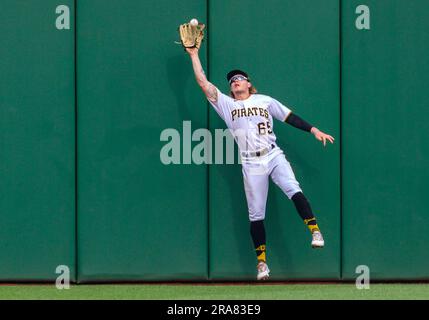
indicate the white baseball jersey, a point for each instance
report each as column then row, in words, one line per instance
column 251, row 121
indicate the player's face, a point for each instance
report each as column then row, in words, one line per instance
column 240, row 86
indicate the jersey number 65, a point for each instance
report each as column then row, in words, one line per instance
column 264, row 128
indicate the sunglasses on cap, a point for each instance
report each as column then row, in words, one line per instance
column 237, row 77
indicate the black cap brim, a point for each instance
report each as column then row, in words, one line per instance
column 234, row 73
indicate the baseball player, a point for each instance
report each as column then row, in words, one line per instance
column 249, row 116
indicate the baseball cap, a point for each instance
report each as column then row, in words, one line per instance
column 234, row 73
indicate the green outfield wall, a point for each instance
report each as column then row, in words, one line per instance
column 92, row 92
column 385, row 81
column 37, row 141
column 138, row 219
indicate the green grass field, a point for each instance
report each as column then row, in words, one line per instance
column 217, row 291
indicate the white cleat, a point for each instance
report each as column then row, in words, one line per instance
column 263, row 271
column 317, row 241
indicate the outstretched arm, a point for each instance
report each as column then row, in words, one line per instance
column 299, row 123
column 208, row 88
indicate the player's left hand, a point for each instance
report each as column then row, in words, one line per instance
column 321, row 136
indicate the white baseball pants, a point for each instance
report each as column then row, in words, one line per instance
column 255, row 176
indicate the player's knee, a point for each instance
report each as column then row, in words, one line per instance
column 256, row 216
column 292, row 189
column 297, row 194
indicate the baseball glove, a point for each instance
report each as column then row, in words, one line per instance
column 191, row 36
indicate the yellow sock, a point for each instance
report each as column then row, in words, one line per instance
column 260, row 253
column 312, row 227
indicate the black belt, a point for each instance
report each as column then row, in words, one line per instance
column 258, row 153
